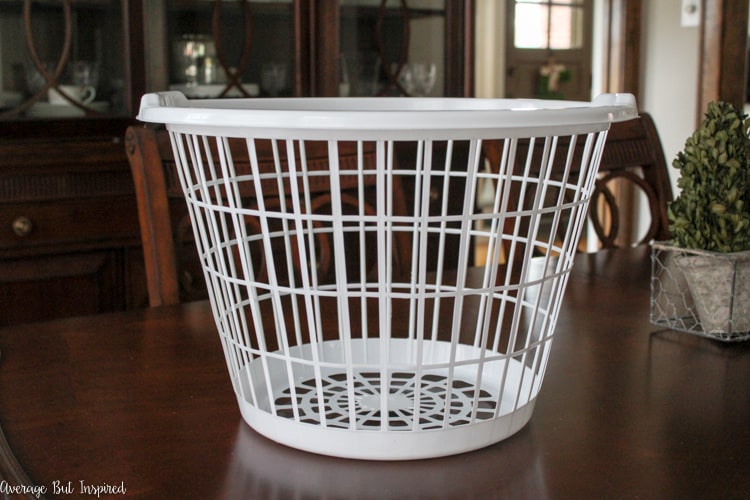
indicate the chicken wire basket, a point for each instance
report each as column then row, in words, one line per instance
column 701, row 292
column 351, row 317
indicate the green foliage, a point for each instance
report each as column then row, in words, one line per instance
column 712, row 211
column 544, row 92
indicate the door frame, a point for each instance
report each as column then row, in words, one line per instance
column 622, row 51
column 723, row 42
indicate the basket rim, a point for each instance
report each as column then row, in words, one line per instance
column 742, row 255
column 385, row 113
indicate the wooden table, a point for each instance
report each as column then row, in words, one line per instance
column 141, row 400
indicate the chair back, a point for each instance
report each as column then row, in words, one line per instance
column 173, row 268
column 633, row 162
column 148, row 157
column 634, row 158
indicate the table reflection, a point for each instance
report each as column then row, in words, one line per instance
column 261, row 468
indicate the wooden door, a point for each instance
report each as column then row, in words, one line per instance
column 548, row 49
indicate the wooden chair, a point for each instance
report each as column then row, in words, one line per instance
column 173, row 271
column 633, row 161
column 634, row 156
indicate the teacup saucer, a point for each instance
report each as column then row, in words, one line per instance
column 48, row 110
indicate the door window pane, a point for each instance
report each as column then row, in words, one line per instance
column 531, row 21
column 548, row 25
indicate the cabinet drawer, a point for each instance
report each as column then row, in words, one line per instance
column 68, row 222
column 55, row 286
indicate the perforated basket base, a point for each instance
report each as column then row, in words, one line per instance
column 473, row 419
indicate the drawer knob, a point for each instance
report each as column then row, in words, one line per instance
column 22, row 226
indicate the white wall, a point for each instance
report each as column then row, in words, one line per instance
column 669, row 74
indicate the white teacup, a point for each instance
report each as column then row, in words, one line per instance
column 83, row 94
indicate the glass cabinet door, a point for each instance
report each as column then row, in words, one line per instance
column 266, row 48
column 93, row 58
column 61, row 59
column 392, row 47
column 230, row 48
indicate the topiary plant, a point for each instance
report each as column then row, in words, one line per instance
column 712, row 211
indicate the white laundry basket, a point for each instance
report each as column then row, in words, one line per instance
column 324, row 233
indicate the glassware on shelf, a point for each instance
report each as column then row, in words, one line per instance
column 273, row 78
column 425, row 75
column 361, row 73
column 34, row 79
column 65, row 93
column 84, row 73
column 64, row 59
column 418, row 78
column 194, row 60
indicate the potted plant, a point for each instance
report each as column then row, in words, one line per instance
column 710, row 220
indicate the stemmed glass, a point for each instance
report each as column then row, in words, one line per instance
column 273, row 78
column 418, row 79
column 425, row 75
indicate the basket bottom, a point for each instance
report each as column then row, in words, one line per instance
column 315, row 414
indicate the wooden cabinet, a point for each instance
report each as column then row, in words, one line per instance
column 69, row 236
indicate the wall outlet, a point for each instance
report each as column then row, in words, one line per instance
column 691, row 13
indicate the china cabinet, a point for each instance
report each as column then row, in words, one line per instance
column 71, row 76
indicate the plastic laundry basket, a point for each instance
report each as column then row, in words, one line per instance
column 352, row 319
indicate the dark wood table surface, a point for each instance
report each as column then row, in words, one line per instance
column 142, row 400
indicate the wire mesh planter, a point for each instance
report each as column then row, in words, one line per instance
column 314, row 231
column 699, row 292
